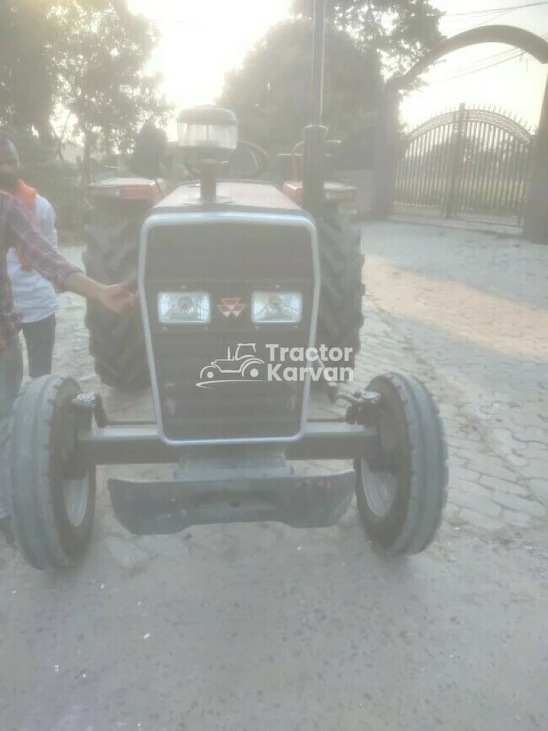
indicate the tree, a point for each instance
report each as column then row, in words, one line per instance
column 26, row 73
column 271, row 92
column 80, row 63
column 401, row 31
column 100, row 65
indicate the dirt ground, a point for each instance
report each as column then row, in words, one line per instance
column 261, row 626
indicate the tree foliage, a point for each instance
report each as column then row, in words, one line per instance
column 271, row 92
column 401, row 31
column 101, row 64
column 26, row 71
column 81, row 65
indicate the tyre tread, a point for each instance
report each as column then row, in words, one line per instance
column 31, row 496
column 116, row 341
column 429, row 477
column 340, row 316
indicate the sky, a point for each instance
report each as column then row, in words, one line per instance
column 203, row 40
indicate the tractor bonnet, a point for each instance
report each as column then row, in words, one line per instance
column 229, row 298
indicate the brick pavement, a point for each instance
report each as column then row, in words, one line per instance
column 469, row 313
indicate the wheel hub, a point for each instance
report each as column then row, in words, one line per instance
column 74, row 478
column 380, row 475
column 75, row 497
column 380, row 489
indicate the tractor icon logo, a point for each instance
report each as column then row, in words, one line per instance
column 244, row 365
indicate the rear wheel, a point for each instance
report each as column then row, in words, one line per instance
column 53, row 504
column 116, row 341
column 340, row 316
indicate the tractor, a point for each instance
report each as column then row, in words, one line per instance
column 223, row 265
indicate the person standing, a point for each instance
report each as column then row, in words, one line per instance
column 19, row 230
column 34, row 297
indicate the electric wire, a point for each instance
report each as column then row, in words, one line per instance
column 502, row 9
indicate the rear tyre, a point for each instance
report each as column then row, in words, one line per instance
column 340, row 316
column 116, row 341
column 402, row 493
column 53, row 507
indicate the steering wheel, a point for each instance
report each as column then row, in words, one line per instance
column 233, row 167
column 247, row 151
column 191, row 164
column 329, row 144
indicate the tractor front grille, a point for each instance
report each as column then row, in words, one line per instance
column 230, row 407
column 229, row 260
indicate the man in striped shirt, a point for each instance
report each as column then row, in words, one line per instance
column 35, row 298
column 19, row 231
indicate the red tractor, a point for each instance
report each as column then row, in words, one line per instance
column 235, row 274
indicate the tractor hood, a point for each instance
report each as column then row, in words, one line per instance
column 229, row 297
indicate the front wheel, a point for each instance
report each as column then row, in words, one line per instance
column 53, row 504
column 401, row 494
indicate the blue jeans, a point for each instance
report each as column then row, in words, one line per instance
column 11, row 376
column 40, row 339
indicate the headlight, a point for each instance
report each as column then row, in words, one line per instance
column 276, row 307
column 183, row 307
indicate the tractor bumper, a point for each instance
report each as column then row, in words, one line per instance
column 170, row 506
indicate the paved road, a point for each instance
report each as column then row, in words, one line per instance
column 472, row 310
column 248, row 627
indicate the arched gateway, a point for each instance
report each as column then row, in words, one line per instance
column 506, row 34
column 536, row 209
column 469, row 164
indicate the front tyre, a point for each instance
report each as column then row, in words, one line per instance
column 401, row 494
column 53, row 507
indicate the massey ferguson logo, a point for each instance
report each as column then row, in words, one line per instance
column 231, row 306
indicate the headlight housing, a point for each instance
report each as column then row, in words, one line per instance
column 276, row 308
column 177, row 308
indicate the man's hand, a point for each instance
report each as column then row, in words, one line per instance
column 132, row 283
column 117, row 297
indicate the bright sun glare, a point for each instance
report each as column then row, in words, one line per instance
column 202, row 41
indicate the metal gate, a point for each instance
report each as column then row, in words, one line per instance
column 471, row 164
